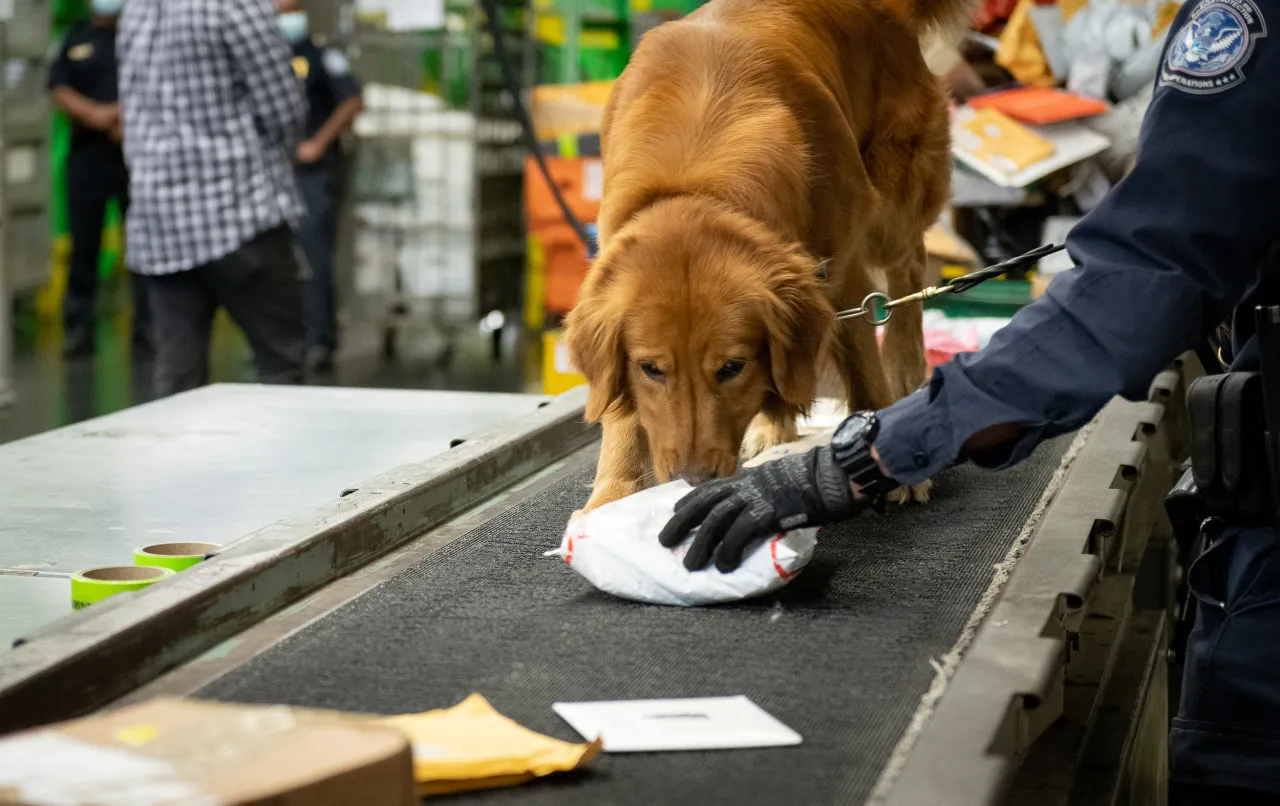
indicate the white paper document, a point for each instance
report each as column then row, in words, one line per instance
column 643, row 726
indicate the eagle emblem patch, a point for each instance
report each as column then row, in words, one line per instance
column 1208, row 54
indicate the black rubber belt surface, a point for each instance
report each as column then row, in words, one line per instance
column 841, row 655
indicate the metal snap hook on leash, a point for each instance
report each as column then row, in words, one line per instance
column 877, row 308
column 867, row 310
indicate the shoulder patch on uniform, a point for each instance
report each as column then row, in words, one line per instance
column 335, row 63
column 1208, row 53
column 80, row 52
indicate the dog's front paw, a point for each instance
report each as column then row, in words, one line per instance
column 607, row 491
column 765, row 433
column 899, row 496
column 921, row 492
column 918, row 493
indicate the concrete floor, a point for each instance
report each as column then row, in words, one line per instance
column 53, row 391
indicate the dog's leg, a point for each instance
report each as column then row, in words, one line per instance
column 856, row 354
column 867, row 387
column 624, row 465
column 903, row 349
column 775, row 425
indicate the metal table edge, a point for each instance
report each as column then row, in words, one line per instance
column 92, row 656
column 1005, row 689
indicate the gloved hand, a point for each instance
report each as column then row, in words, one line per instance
column 777, row 496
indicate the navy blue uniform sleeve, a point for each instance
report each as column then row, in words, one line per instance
column 60, row 68
column 1187, row 229
column 337, row 72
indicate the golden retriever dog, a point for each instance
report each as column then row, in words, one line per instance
column 765, row 161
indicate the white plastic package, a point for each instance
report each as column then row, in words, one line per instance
column 616, row 548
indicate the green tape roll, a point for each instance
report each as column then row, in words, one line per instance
column 175, row 556
column 96, row 584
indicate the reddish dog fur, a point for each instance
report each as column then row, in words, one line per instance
column 742, row 146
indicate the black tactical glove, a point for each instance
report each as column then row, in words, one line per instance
column 784, row 494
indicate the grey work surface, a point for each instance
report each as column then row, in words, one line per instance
column 210, row 466
column 842, row 654
column 29, row 601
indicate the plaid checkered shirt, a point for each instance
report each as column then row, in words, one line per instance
column 213, row 113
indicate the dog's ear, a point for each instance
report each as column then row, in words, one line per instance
column 799, row 320
column 593, row 333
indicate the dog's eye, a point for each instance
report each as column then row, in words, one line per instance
column 730, row 370
column 652, row 371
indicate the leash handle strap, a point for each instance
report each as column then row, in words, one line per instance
column 877, row 308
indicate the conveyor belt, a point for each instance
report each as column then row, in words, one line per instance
column 841, row 655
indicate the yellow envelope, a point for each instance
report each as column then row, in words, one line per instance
column 1001, row 142
column 472, row 746
column 1020, row 51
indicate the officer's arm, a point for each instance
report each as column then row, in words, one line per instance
column 83, row 110
column 1179, row 238
column 347, row 90
column 263, row 60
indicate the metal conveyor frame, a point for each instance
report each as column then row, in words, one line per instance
column 967, row 743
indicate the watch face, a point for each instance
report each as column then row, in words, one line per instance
column 856, row 427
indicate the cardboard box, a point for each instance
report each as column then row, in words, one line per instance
column 168, row 752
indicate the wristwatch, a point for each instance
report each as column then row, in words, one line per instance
column 851, row 448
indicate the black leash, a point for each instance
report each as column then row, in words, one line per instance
column 493, row 15
column 877, row 308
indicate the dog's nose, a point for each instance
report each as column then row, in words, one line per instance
column 695, row 477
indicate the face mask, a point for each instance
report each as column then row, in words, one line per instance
column 294, row 26
column 107, row 8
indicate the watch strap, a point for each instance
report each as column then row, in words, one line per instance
column 855, row 459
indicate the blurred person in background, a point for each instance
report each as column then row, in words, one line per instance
column 333, row 101
column 83, row 83
column 213, row 115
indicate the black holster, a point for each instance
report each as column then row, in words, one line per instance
column 1187, row 511
column 1227, row 480
column 1230, row 463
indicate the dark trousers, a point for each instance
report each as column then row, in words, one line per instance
column 1225, row 740
column 1192, row 795
column 95, row 175
column 318, row 185
column 259, row 285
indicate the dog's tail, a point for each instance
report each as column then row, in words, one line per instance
column 932, row 15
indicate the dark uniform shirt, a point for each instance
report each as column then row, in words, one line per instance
column 1177, row 245
column 329, row 82
column 86, row 63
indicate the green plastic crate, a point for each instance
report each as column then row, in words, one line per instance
column 682, row 6
column 459, row 74
column 594, row 10
column 595, row 64
column 994, row 298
